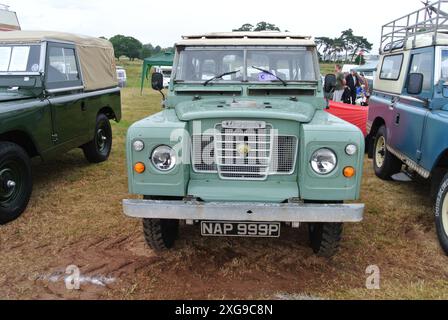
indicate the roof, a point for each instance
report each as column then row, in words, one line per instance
column 246, row 38
column 426, row 40
column 161, row 59
column 8, row 20
column 96, row 56
column 39, row 36
column 419, row 41
column 372, row 66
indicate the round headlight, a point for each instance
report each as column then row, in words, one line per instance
column 351, row 149
column 164, row 158
column 138, row 145
column 323, row 161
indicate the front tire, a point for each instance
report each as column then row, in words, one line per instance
column 441, row 214
column 325, row 238
column 98, row 150
column 160, row 234
column 16, row 183
column 385, row 164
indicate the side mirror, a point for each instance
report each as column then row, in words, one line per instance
column 415, row 83
column 157, row 81
column 330, row 83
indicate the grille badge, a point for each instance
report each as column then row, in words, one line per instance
column 232, row 124
column 243, row 149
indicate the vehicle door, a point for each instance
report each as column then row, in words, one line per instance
column 435, row 139
column 384, row 98
column 410, row 111
column 64, row 85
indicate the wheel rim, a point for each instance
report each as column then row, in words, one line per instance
column 444, row 215
column 11, row 179
column 380, row 151
column 101, row 140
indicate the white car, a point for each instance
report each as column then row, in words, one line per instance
column 122, row 77
column 166, row 71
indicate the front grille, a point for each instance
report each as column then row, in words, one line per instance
column 244, row 154
column 284, row 155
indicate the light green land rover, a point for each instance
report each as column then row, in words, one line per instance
column 243, row 146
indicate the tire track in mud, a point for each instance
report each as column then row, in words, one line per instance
column 197, row 268
column 103, row 264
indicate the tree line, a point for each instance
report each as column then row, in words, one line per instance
column 345, row 48
column 134, row 49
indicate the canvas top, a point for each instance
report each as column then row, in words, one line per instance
column 96, row 56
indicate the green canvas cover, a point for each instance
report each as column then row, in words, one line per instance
column 163, row 59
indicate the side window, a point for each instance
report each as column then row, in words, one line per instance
column 62, row 69
column 423, row 63
column 391, row 67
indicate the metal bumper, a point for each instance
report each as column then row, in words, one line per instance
column 225, row 211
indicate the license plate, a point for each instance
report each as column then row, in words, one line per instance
column 240, row 229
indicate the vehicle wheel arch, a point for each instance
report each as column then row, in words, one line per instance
column 108, row 112
column 376, row 125
column 438, row 171
column 22, row 139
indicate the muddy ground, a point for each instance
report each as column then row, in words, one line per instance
column 75, row 218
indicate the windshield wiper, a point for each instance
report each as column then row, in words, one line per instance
column 272, row 74
column 220, row 76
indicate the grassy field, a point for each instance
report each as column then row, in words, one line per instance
column 75, row 218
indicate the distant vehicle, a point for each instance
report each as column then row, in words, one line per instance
column 368, row 71
column 8, row 19
column 122, row 77
column 347, row 68
column 58, row 92
column 166, row 72
column 408, row 116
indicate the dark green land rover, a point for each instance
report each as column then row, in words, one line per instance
column 57, row 92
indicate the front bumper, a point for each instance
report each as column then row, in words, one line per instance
column 256, row 212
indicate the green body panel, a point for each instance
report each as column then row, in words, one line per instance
column 296, row 109
column 321, row 130
column 222, row 109
column 71, row 116
column 328, row 131
column 244, row 191
column 154, row 131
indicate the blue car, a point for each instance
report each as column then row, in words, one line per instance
column 408, row 117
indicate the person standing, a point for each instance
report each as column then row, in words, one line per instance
column 340, row 84
column 353, row 84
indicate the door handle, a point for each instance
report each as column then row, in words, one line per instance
column 397, row 119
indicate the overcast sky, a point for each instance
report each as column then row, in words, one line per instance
column 164, row 22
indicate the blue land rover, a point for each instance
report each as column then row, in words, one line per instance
column 408, row 117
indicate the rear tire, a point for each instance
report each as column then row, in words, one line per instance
column 325, row 238
column 441, row 214
column 385, row 164
column 98, row 150
column 16, row 183
column 160, row 235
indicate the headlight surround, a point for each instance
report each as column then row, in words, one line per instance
column 138, row 145
column 351, row 149
column 164, row 158
column 324, row 161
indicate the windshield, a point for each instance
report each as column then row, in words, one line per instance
column 288, row 64
column 20, row 58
